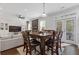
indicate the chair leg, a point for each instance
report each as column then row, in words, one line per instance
column 24, row 46
column 35, row 49
column 26, row 49
column 30, row 51
column 57, row 52
column 60, row 47
column 47, row 48
column 52, row 52
column 61, row 50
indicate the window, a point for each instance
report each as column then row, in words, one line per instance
column 42, row 25
column 59, row 25
column 29, row 26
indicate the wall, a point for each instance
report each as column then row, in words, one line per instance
column 11, row 20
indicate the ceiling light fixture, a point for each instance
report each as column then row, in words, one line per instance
column 44, row 13
column 21, row 17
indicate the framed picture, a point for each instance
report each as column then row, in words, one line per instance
column 6, row 26
column 2, row 26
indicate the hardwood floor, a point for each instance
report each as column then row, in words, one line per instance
column 71, row 50
column 67, row 50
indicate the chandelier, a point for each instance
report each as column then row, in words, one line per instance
column 44, row 13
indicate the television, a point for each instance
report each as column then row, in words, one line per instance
column 14, row 28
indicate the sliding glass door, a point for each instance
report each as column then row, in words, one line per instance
column 68, row 27
column 70, row 30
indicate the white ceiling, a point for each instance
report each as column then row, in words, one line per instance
column 31, row 10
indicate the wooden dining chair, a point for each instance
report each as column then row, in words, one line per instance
column 29, row 44
column 53, row 44
column 25, row 41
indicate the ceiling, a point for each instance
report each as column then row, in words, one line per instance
column 32, row 10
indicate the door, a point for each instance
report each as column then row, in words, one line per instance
column 68, row 28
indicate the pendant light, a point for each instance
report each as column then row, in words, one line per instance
column 44, row 13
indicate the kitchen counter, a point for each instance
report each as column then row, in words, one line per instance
column 10, row 42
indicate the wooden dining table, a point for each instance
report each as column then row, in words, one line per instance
column 42, row 38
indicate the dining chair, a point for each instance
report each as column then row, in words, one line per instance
column 25, row 41
column 30, row 44
column 34, row 39
column 53, row 43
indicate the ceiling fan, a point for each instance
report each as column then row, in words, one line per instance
column 20, row 16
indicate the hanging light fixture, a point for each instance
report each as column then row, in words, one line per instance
column 44, row 13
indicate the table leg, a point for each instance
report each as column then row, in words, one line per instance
column 42, row 47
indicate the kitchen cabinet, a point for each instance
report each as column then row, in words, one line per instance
column 10, row 43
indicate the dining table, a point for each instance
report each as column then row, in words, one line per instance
column 42, row 38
